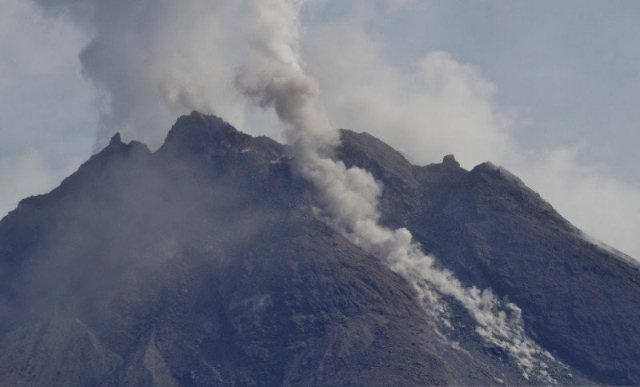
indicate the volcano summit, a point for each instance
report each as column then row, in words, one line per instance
column 207, row 262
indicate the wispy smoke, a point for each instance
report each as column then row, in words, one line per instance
column 153, row 60
column 438, row 105
column 350, row 195
column 145, row 60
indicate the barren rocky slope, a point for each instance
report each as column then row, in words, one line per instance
column 202, row 264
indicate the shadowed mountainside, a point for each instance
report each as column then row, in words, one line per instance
column 202, row 264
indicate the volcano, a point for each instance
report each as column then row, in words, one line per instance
column 204, row 263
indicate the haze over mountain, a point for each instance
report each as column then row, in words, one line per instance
column 547, row 89
column 218, row 258
column 208, row 262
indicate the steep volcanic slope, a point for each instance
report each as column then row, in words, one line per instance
column 202, row 264
column 579, row 300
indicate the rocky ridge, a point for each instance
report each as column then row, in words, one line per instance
column 202, row 264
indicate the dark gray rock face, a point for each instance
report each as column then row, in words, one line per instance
column 202, row 264
column 579, row 300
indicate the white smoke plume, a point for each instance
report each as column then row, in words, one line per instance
column 143, row 58
column 350, row 195
column 439, row 105
column 153, row 61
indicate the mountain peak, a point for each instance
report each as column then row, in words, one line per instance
column 139, row 255
column 367, row 151
column 450, row 160
column 115, row 139
column 201, row 133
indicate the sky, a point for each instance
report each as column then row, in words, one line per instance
column 548, row 89
column 569, row 68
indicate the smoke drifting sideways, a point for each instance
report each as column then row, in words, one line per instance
column 153, row 61
column 437, row 104
column 141, row 58
column 275, row 78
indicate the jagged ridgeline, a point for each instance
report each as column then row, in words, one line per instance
column 204, row 263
